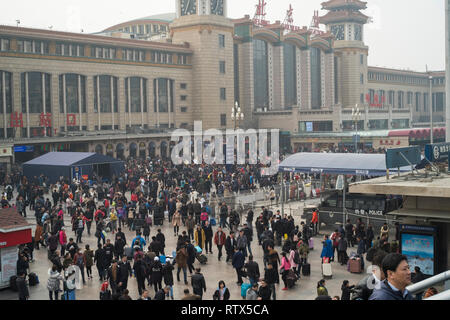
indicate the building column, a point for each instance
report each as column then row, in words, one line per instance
column 299, row 77
column 270, row 73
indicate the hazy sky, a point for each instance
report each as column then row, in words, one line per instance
column 406, row 34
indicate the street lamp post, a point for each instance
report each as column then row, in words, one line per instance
column 430, row 102
column 236, row 115
column 356, row 116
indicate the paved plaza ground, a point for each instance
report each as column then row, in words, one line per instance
column 214, row 270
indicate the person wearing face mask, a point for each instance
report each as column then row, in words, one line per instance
column 398, row 277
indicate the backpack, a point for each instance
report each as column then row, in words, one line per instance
column 80, row 261
column 296, row 257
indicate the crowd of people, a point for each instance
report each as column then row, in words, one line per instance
column 184, row 195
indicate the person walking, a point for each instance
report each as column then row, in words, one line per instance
column 89, row 258
column 321, row 289
column 125, row 272
column 22, row 287
column 271, row 277
column 54, row 282
column 181, row 261
column 199, row 237
column 230, row 245
column 100, row 262
column 190, row 225
column 167, row 273
column 238, row 263
column 219, row 240
column 327, row 251
column 62, row 240
column 176, row 222
column 284, row 269
column 198, row 283
column 139, row 268
column 252, row 269
column 222, row 293
column 207, row 229
column 79, row 261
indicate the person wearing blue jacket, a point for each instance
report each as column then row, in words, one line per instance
column 142, row 242
column 327, row 250
column 398, row 277
column 238, row 263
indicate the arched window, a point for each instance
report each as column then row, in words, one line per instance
column 133, row 150
column 163, row 150
column 99, row 149
column 120, row 151
column 151, row 150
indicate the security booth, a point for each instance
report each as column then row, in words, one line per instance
column 14, row 231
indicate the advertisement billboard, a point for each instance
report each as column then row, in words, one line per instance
column 420, row 251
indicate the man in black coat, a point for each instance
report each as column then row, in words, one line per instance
column 119, row 248
column 198, row 283
column 190, row 249
column 109, row 252
column 230, row 245
column 162, row 240
column 248, row 233
column 161, row 294
column 121, row 235
column 22, row 287
column 252, row 268
column 100, row 261
column 208, row 237
column 139, row 268
column 271, row 277
column 22, row 264
column 155, row 246
column 124, row 273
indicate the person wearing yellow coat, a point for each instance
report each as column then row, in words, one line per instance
column 199, row 237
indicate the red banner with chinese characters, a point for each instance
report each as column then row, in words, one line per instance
column 16, row 120
column 71, row 120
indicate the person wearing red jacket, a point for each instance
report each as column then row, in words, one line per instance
column 219, row 239
column 315, row 221
column 99, row 214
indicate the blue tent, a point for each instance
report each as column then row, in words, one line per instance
column 72, row 165
column 337, row 163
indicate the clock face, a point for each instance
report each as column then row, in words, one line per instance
column 358, row 32
column 217, row 7
column 338, row 31
column 188, row 7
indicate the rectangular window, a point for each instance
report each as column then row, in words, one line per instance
column 425, row 102
column 183, row 109
column 223, row 94
column 418, row 105
column 316, row 78
column 362, row 78
column 4, row 45
column 155, row 28
column 141, row 29
column 223, row 120
column 221, row 41
column 361, row 58
column 134, row 29
column 183, row 98
column 361, row 98
column 183, row 85
column 222, row 67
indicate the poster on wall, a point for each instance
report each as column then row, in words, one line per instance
column 8, row 263
column 419, row 249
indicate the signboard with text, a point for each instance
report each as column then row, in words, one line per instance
column 437, row 152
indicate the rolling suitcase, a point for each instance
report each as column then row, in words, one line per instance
column 13, row 283
column 327, row 271
column 128, row 252
column 244, row 288
column 291, row 279
column 355, row 266
column 311, row 244
column 33, row 279
column 306, row 269
column 202, row 258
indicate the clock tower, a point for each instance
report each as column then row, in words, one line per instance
column 205, row 26
column 346, row 22
column 201, row 7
